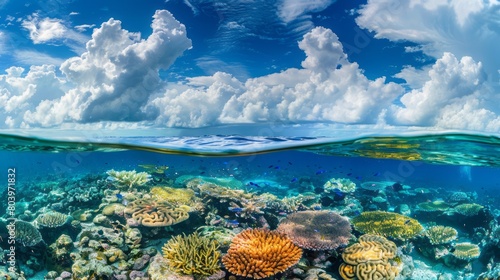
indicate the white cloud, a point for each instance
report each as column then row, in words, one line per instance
column 31, row 57
column 84, row 27
column 290, row 10
column 116, row 75
column 464, row 28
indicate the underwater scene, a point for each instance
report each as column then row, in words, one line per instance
column 233, row 207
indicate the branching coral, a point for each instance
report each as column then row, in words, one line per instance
column 27, row 234
column 192, row 254
column 259, row 253
column 342, row 184
column 316, row 230
column 441, row 234
column 51, row 219
column 152, row 213
column 128, row 179
column 369, row 259
column 387, row 224
column 466, row 251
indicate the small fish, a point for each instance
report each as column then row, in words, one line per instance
column 124, row 202
column 315, row 230
column 317, row 207
column 290, row 162
column 111, row 178
column 270, row 166
column 376, row 174
column 236, row 168
column 359, row 177
column 294, row 180
column 407, row 222
column 119, row 196
column 349, row 174
column 232, row 222
column 276, row 167
column 282, row 213
column 321, row 171
column 235, row 209
column 253, row 184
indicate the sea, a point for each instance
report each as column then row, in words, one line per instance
column 58, row 190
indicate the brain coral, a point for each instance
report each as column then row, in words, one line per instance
column 152, row 213
column 27, row 234
column 343, row 184
column 51, row 219
column 316, row 230
column 192, row 254
column 387, row 224
column 466, row 251
column 441, row 234
column 260, row 253
column 369, row 259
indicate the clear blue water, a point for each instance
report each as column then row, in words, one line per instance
column 444, row 164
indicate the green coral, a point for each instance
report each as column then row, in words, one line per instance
column 192, row 254
column 343, row 184
column 468, row 209
column 441, row 234
column 128, row 179
column 51, row 219
column 387, row 224
column 466, row 251
column 27, row 234
column 434, row 206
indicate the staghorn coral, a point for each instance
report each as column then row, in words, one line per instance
column 441, row 234
column 466, row 251
column 316, row 230
column 192, row 254
column 27, row 234
column 387, row 224
column 152, row 213
column 343, row 184
column 51, row 219
column 369, row 259
column 260, row 253
column 128, row 179
column 468, row 209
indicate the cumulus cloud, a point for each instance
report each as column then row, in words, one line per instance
column 327, row 88
column 464, row 28
column 116, row 75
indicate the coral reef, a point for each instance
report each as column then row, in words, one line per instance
column 260, row 253
column 369, row 259
column 387, row 224
column 51, row 219
column 441, row 234
column 128, row 179
column 342, row 184
column 27, row 234
column 173, row 195
column 468, row 209
column 316, row 230
column 192, row 255
column 150, row 213
column 434, row 206
column 466, row 251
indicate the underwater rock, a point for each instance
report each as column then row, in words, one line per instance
column 60, row 252
column 158, row 270
column 113, row 209
column 133, row 237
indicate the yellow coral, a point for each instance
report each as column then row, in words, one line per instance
column 387, row 224
column 369, row 259
column 173, row 195
column 466, row 251
column 155, row 213
column 192, row 254
column 441, row 234
column 260, row 253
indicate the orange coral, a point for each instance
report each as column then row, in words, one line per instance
column 260, row 253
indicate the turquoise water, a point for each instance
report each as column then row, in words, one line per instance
column 235, row 183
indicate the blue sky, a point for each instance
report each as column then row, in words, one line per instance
column 202, row 63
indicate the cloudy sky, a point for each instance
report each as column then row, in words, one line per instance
column 202, row 63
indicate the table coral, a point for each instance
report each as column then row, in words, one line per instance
column 468, row 209
column 27, row 234
column 152, row 213
column 342, row 184
column 51, row 219
column 466, row 251
column 175, row 196
column 316, row 230
column 260, row 253
column 433, row 206
column 387, row 224
column 369, row 259
column 192, row 255
column 441, row 234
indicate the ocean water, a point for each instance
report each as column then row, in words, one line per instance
column 235, row 183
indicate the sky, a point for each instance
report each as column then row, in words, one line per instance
column 203, row 63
